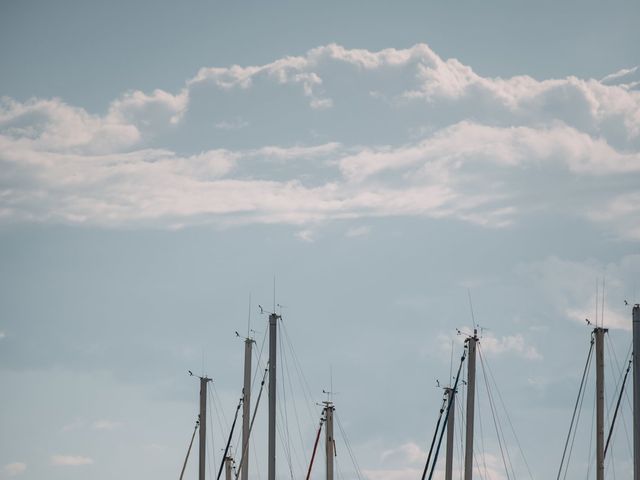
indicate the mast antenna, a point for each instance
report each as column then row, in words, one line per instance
column 597, row 294
column 249, row 318
column 451, row 365
column 602, row 307
column 473, row 318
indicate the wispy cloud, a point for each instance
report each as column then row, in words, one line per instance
column 306, row 235
column 70, row 460
column 358, row 231
column 14, row 469
column 509, row 344
column 235, row 124
column 105, row 425
column 570, row 287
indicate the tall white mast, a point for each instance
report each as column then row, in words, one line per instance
column 636, row 392
column 246, row 407
column 203, row 427
column 228, row 468
column 273, row 326
column 471, row 396
column 448, row 471
column 329, row 439
column 599, row 336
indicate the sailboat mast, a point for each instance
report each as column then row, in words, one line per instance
column 636, row 392
column 329, row 441
column 273, row 325
column 599, row 336
column 471, row 396
column 228, row 468
column 246, row 407
column 448, row 472
column 203, row 427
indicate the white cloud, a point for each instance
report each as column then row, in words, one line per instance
column 360, row 231
column 502, row 149
column 297, row 152
column 627, row 77
column 105, row 425
column 515, row 344
column 14, row 469
column 395, row 474
column 149, row 112
column 306, row 235
column 53, row 126
column 235, row 124
column 509, row 344
column 406, row 462
column 74, row 425
column 2, row 335
column 619, row 214
column 407, row 453
column 70, row 460
column 571, row 287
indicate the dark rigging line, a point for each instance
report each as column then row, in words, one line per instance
column 575, row 408
column 455, row 388
column 189, row 449
column 575, row 431
column 315, row 448
column 435, row 435
column 226, row 448
column 626, row 396
column 255, row 411
column 615, row 413
column 591, row 460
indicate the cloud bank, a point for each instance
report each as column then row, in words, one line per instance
column 70, row 460
column 350, row 134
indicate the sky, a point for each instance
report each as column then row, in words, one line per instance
column 398, row 170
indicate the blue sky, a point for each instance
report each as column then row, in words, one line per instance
column 160, row 162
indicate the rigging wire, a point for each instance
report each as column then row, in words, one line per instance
column 189, row 449
column 615, row 413
column 226, row 448
column 626, row 394
column 287, row 374
column 495, row 384
column 435, row 435
column 259, row 360
column 499, row 432
column 455, row 387
column 575, row 432
column 282, row 441
column 216, row 398
column 593, row 417
column 461, row 429
column 575, row 410
column 253, row 418
column 484, row 451
column 315, row 447
column 478, row 470
column 282, row 410
column 211, row 434
column 302, row 379
column 348, row 445
column 462, row 424
column 298, row 449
